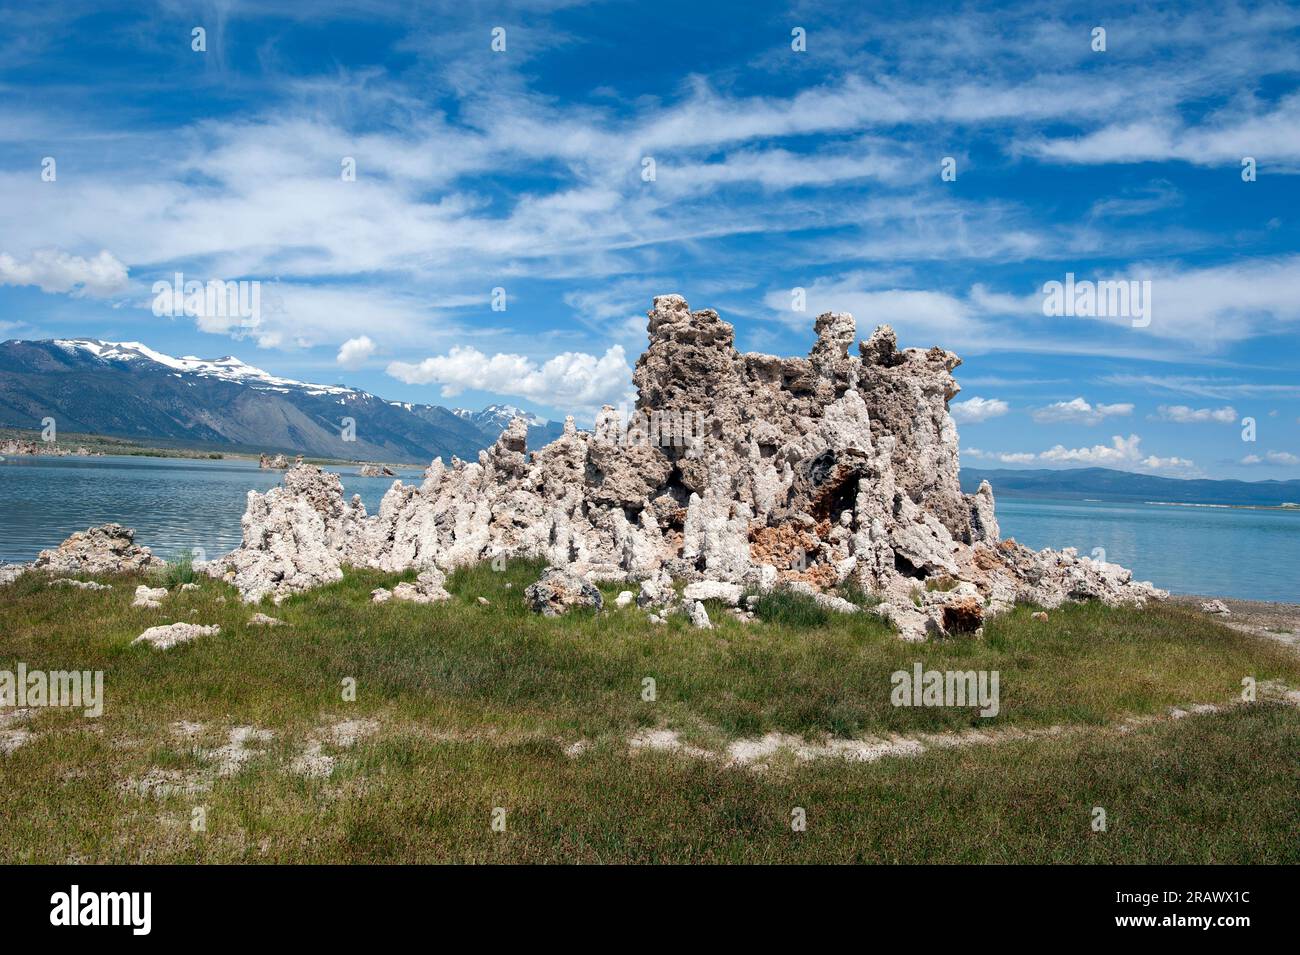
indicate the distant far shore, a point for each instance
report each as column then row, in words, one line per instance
column 73, row 444
column 1244, row 507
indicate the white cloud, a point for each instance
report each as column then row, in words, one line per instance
column 976, row 409
column 1005, row 457
column 53, row 270
column 437, row 206
column 1200, row 309
column 1080, row 411
column 1220, row 304
column 1271, row 136
column 1182, row 414
column 572, row 380
column 1119, row 451
column 1167, row 464
column 1217, row 389
column 920, row 317
column 1271, row 457
column 355, row 351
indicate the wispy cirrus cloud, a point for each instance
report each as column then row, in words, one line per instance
column 774, row 170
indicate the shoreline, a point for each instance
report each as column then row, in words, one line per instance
column 1242, row 507
column 99, row 446
column 1278, row 621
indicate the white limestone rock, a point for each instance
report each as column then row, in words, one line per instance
column 699, row 617
column 713, row 590
column 428, row 588
column 557, row 591
column 107, row 549
column 151, row 597
column 164, row 638
column 82, row 584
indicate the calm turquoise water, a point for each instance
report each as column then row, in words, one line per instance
column 1225, row 552
column 176, row 505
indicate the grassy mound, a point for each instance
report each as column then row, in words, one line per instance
column 477, row 706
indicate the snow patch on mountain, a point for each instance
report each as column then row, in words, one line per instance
column 228, row 368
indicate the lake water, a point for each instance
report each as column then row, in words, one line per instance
column 1224, row 552
column 177, row 504
column 174, row 504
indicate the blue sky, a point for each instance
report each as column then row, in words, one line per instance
column 774, row 170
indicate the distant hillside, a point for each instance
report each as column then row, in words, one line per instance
column 1105, row 484
column 126, row 389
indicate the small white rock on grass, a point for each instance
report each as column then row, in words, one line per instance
column 149, row 596
column 713, row 590
column 624, row 599
column 262, row 620
column 163, row 638
column 700, row 617
column 79, row 584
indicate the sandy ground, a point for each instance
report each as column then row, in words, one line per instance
column 1276, row 621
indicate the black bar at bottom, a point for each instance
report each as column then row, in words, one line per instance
column 333, row 904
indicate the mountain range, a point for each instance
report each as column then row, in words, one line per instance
column 1106, row 484
column 128, row 390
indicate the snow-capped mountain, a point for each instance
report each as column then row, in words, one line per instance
column 498, row 416
column 228, row 368
column 126, row 389
column 494, row 418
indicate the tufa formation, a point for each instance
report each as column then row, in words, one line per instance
column 744, row 472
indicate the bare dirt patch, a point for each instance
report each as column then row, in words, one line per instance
column 1279, row 622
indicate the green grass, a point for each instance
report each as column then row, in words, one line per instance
column 175, row 573
column 475, row 705
column 792, row 610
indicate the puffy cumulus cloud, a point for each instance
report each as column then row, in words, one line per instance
column 1174, row 463
column 1120, row 451
column 1005, row 457
column 1079, row 411
column 1271, row 457
column 54, row 270
column 355, row 351
column 976, row 409
column 1182, row 414
column 572, row 380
